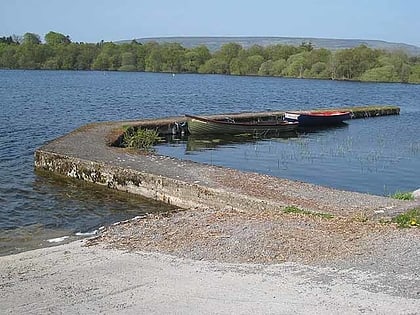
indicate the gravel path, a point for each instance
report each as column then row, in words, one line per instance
column 239, row 237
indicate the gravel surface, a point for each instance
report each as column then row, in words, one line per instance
column 255, row 236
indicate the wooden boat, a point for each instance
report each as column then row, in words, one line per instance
column 317, row 118
column 200, row 125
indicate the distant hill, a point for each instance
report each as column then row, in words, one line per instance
column 214, row 43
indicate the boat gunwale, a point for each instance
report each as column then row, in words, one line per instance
column 244, row 124
column 320, row 114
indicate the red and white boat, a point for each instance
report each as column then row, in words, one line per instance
column 317, row 118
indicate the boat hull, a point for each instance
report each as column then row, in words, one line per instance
column 325, row 118
column 202, row 126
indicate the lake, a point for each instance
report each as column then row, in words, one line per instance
column 378, row 155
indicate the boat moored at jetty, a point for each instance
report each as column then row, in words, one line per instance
column 317, row 118
column 202, row 125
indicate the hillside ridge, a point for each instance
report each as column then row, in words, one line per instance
column 215, row 42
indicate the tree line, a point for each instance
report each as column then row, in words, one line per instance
column 58, row 52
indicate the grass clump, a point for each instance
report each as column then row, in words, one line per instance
column 140, row 138
column 361, row 217
column 403, row 195
column 411, row 218
column 294, row 209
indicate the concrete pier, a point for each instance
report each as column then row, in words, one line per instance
column 88, row 154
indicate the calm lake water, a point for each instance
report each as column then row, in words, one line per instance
column 378, row 156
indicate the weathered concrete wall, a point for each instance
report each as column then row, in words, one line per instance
column 168, row 190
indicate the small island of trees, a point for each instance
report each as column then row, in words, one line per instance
column 58, row 52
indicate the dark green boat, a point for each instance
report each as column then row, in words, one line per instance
column 201, row 126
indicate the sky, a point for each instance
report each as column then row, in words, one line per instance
column 112, row 20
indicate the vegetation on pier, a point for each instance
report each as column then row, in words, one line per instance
column 58, row 52
column 140, row 138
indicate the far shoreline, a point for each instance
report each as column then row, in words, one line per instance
column 215, row 74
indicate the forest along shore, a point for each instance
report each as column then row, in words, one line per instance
column 360, row 63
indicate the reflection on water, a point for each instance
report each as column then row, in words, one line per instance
column 210, row 142
column 200, row 143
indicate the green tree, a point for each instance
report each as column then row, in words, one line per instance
column 256, row 50
column 306, row 46
column 226, row 53
column 229, row 51
column 352, row 63
column 8, row 59
column 380, row 74
column 31, row 56
column 237, row 66
column 266, row 68
column 344, row 64
column 253, row 64
column 319, row 55
column 173, row 55
column 53, row 38
column 297, row 64
column 154, row 60
column 276, row 52
column 214, row 66
column 414, row 74
column 25, row 58
column 278, row 67
column 319, row 70
column 195, row 58
column 31, row 39
column 66, row 56
column 140, row 53
column 390, row 67
column 364, row 59
column 128, row 62
column 399, row 60
column 102, row 62
column 7, row 40
column 87, row 55
column 404, row 75
column 272, row 68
